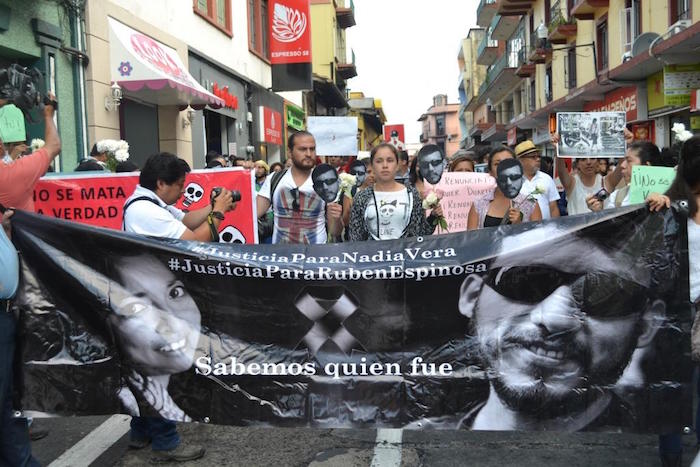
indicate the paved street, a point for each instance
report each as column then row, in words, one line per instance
column 101, row 441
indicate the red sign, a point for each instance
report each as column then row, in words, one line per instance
column 512, row 136
column 619, row 100
column 290, row 31
column 98, row 199
column 271, row 126
column 694, row 101
column 394, row 134
column 230, row 100
column 643, row 131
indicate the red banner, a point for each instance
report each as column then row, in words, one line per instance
column 290, row 31
column 98, row 199
column 271, row 130
column 619, row 100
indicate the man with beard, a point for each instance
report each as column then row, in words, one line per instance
column 556, row 326
column 431, row 162
column 300, row 214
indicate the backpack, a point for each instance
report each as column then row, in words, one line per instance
column 266, row 224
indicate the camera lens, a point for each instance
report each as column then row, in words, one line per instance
column 235, row 195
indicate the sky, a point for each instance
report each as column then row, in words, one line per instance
column 406, row 52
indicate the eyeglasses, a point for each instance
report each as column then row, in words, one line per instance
column 599, row 294
column 512, row 177
column 295, row 200
column 328, row 182
column 530, row 156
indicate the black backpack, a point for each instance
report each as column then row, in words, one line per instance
column 266, row 224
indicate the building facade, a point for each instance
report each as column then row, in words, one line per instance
column 48, row 36
column 370, row 120
column 441, row 125
column 545, row 56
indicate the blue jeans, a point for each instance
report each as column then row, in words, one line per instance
column 161, row 432
column 15, row 449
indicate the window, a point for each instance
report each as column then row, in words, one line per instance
column 440, row 125
column 571, row 67
column 533, row 95
column 680, row 9
column 602, row 43
column 548, row 94
column 257, row 28
column 217, row 12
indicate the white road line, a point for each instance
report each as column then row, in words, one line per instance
column 387, row 451
column 85, row 451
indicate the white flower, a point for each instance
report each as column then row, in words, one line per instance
column 540, row 188
column 678, row 128
column 684, row 135
column 347, row 182
column 118, row 149
column 431, row 198
column 36, row 144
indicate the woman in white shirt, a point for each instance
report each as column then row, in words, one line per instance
column 389, row 209
column 638, row 153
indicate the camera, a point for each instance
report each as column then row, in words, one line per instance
column 20, row 86
column 216, row 191
column 601, row 195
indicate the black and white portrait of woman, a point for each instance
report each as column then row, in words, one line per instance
column 157, row 325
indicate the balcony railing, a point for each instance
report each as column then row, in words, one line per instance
column 346, row 15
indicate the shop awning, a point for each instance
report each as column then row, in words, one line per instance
column 695, row 101
column 153, row 72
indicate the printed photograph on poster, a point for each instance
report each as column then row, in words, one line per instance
column 335, row 136
column 591, row 134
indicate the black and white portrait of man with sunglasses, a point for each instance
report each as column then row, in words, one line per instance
column 326, row 183
column 557, row 328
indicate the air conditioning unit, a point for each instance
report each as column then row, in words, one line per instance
column 679, row 26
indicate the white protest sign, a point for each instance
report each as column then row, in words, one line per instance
column 335, row 136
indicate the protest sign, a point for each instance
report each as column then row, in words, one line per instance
column 415, row 333
column 591, row 134
column 335, row 136
column 97, row 199
column 12, row 128
column 647, row 179
column 457, row 191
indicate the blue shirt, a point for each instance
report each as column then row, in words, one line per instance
column 9, row 267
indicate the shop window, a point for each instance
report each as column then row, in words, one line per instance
column 217, row 12
column 257, row 28
column 602, row 43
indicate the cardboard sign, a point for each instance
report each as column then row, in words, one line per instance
column 98, row 200
column 335, row 136
column 647, row 179
column 12, row 128
column 459, row 190
column 290, row 32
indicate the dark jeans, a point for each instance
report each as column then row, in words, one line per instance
column 161, row 432
column 15, row 449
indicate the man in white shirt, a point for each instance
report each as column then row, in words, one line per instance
column 301, row 216
column 149, row 210
column 537, row 181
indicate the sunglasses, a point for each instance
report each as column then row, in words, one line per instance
column 512, row 177
column 598, row 294
column 328, row 182
column 295, row 199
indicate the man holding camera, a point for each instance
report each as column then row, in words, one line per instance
column 16, row 190
column 150, row 210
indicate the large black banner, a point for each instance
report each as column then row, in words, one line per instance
column 580, row 323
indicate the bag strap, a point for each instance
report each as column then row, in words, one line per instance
column 276, row 178
column 129, row 203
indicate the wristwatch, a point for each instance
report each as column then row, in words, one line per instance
column 218, row 215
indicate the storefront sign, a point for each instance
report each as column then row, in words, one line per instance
column 295, row 117
column 619, row 100
column 270, row 126
column 290, row 32
column 512, row 136
column 679, row 82
column 230, row 100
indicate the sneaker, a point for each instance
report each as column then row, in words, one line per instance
column 35, row 434
column 138, row 443
column 182, row 453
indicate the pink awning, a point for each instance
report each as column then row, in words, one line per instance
column 152, row 71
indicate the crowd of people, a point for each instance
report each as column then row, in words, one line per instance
column 294, row 205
